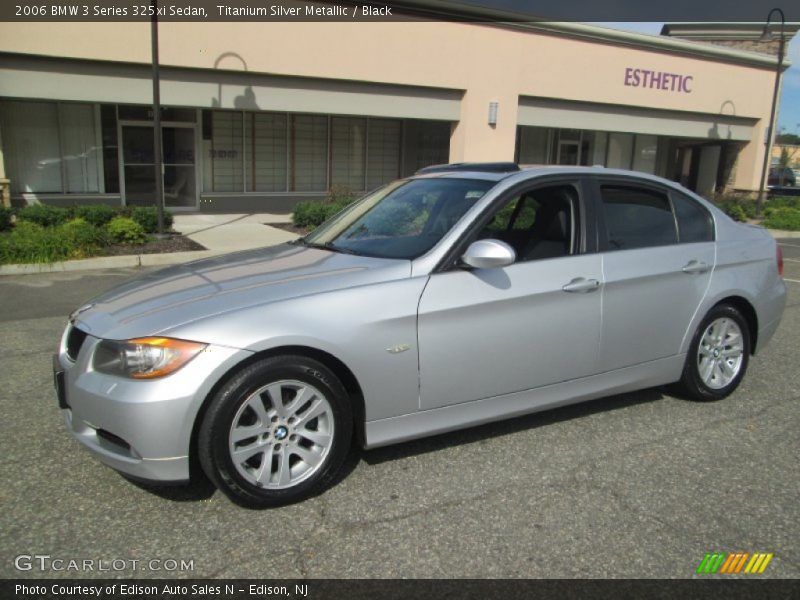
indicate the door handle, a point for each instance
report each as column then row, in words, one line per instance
column 581, row 285
column 694, row 266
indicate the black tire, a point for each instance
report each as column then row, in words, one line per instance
column 691, row 384
column 214, row 451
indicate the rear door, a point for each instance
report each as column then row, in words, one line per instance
column 657, row 253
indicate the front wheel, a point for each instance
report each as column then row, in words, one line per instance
column 718, row 356
column 277, row 432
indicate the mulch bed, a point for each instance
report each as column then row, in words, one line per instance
column 289, row 227
column 174, row 243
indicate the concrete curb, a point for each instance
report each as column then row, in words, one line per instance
column 108, row 262
column 778, row 233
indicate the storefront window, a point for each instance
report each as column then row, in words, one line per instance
column 266, row 151
column 309, row 153
column 348, row 148
column 620, row 149
column 581, row 147
column 533, row 143
column 55, row 147
column 598, row 151
column 383, row 151
column 644, row 154
column 426, row 143
column 224, row 157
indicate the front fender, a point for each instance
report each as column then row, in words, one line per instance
column 372, row 329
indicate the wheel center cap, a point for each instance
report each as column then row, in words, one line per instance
column 716, row 352
column 281, row 432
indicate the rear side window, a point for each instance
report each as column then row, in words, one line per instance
column 694, row 222
column 637, row 218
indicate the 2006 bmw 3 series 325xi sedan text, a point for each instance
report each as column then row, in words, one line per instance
column 461, row 295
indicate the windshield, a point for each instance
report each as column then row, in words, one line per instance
column 404, row 219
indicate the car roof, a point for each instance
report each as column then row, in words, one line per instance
column 473, row 171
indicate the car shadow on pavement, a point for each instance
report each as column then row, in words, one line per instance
column 510, row 426
column 200, row 488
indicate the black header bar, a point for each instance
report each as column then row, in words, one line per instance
column 394, row 10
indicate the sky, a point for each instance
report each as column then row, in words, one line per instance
column 789, row 106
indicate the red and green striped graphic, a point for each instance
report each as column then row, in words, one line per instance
column 734, row 562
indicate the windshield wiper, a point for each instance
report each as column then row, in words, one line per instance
column 326, row 246
column 334, row 248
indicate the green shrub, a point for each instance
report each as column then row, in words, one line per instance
column 734, row 211
column 737, row 206
column 126, row 231
column 749, row 208
column 783, row 218
column 339, row 206
column 784, row 202
column 83, row 236
column 309, row 214
column 313, row 213
column 147, row 217
column 29, row 242
column 5, row 218
column 340, row 194
column 44, row 214
column 95, row 214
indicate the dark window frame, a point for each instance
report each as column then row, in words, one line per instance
column 706, row 214
column 633, row 182
column 583, row 214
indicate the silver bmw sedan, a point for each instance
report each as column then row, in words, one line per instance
column 464, row 294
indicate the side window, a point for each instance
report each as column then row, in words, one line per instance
column 694, row 222
column 518, row 214
column 538, row 223
column 637, row 218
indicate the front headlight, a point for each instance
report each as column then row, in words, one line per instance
column 144, row 358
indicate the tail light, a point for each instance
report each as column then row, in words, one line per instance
column 779, row 259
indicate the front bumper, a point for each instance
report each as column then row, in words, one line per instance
column 125, row 458
column 142, row 428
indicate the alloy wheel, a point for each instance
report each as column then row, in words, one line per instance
column 720, row 353
column 281, row 434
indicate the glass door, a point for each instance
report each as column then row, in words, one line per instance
column 569, row 146
column 568, row 152
column 180, row 188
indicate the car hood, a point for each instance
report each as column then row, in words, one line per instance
column 163, row 300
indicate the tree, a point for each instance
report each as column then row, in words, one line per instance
column 788, row 138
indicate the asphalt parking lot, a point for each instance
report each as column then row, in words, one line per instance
column 638, row 485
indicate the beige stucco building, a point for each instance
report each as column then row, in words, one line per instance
column 258, row 115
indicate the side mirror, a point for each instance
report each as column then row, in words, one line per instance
column 487, row 254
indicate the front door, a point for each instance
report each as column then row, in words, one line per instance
column 180, row 189
column 490, row 332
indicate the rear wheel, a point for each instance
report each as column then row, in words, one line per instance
column 718, row 356
column 277, row 432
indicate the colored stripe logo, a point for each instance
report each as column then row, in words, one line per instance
column 734, row 563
